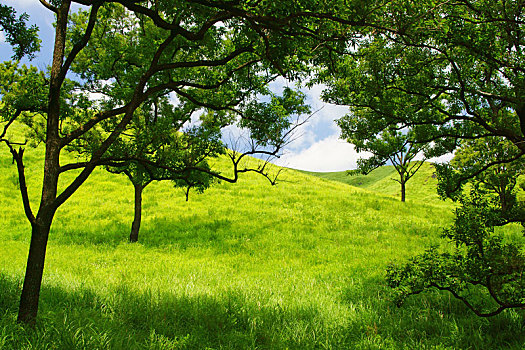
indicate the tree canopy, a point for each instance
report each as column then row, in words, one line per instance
column 451, row 70
column 216, row 55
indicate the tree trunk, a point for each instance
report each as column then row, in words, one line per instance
column 135, row 226
column 34, row 270
column 403, row 190
column 41, row 225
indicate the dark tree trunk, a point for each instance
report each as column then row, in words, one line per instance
column 135, row 226
column 34, row 270
column 403, row 191
column 41, row 225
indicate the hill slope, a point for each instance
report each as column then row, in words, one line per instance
column 421, row 187
column 299, row 265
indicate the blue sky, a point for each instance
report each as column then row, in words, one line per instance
column 317, row 146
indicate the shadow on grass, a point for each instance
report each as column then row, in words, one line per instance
column 434, row 319
column 124, row 319
column 83, row 319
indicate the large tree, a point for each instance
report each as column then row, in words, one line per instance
column 451, row 71
column 215, row 54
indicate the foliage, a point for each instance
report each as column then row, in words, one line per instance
column 494, row 162
column 23, row 39
column 485, row 271
column 268, row 120
column 452, row 70
column 390, row 145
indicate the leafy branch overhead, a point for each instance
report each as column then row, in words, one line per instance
column 451, row 71
column 23, row 39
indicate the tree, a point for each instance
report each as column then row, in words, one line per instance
column 153, row 138
column 453, row 71
column 24, row 40
column 214, row 54
column 388, row 146
column 485, row 271
column 157, row 135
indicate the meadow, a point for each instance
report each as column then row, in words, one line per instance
column 299, row 265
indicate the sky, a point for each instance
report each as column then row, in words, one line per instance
column 315, row 147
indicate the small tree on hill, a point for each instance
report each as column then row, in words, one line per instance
column 154, row 139
column 389, row 145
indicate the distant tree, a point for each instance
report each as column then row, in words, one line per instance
column 389, row 145
column 151, row 136
column 214, row 54
column 486, row 271
column 23, row 39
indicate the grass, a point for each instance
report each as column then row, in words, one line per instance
column 245, row 266
column 422, row 187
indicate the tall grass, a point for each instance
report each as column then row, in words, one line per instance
column 247, row 266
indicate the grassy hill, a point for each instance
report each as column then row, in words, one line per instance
column 246, row 266
column 422, row 187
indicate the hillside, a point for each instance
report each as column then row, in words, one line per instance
column 422, row 187
column 299, row 265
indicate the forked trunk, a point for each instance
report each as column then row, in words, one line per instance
column 34, row 270
column 135, row 226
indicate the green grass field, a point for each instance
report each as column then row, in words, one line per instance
column 422, row 187
column 247, row 266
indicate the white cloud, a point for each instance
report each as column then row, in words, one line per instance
column 329, row 154
column 442, row 159
column 2, row 37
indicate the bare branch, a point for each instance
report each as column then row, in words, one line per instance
column 49, row 6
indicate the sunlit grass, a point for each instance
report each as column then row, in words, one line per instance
column 421, row 187
column 299, row 265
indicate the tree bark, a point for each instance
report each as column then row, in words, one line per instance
column 135, row 226
column 34, row 270
column 403, row 190
column 41, row 225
